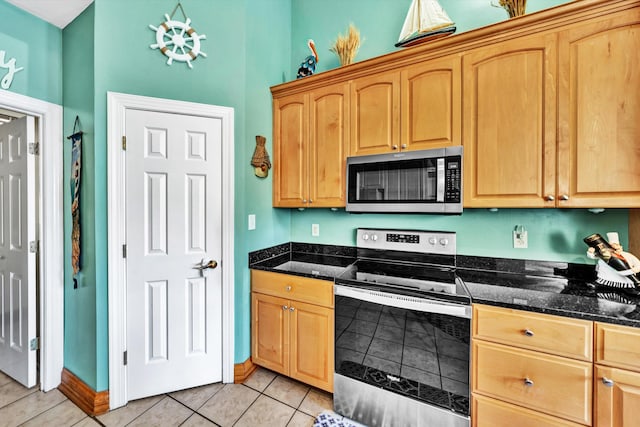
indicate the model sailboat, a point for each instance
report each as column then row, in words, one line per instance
column 425, row 20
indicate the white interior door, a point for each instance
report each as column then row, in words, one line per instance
column 17, row 261
column 173, row 223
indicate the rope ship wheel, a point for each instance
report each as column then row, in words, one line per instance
column 178, row 41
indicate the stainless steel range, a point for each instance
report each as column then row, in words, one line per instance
column 403, row 327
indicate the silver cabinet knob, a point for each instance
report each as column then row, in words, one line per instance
column 528, row 332
column 528, row 382
column 403, row 146
column 310, row 200
column 607, row 382
column 304, row 200
column 291, row 309
column 284, row 307
column 564, row 197
column 394, row 147
column 288, row 288
column 549, row 198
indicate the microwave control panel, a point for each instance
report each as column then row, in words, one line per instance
column 453, row 179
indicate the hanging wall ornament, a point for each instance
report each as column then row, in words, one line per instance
column 76, row 164
column 178, row 40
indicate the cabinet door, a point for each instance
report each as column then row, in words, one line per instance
column 328, row 145
column 312, row 345
column 617, row 397
column 270, row 332
column 431, row 104
column 290, row 140
column 599, row 113
column 375, row 114
column 510, row 123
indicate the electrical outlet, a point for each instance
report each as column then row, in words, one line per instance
column 252, row 222
column 315, row 230
column 520, row 240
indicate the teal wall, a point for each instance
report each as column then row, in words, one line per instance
column 553, row 234
column 379, row 22
column 81, row 327
column 240, row 66
column 36, row 46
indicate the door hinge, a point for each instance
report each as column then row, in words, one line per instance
column 124, row 358
column 124, row 143
column 33, row 246
column 34, row 148
column 34, row 344
column 124, row 251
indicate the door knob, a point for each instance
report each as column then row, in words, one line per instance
column 209, row 265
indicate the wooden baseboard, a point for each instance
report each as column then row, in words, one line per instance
column 87, row 399
column 241, row 371
column 634, row 232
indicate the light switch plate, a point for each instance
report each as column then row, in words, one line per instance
column 252, row 222
column 315, row 230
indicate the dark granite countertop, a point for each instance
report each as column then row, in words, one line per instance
column 557, row 288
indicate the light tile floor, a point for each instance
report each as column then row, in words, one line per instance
column 264, row 399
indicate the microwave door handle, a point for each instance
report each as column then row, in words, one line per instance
column 440, row 178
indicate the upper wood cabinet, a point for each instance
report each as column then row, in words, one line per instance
column 414, row 109
column 290, row 150
column 509, row 124
column 599, row 112
column 375, row 114
column 310, row 148
column 431, row 104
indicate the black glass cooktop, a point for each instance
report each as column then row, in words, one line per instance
column 410, row 279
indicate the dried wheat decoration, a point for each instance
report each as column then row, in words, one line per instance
column 513, row 7
column 347, row 46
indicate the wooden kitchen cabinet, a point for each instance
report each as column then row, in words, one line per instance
column 431, row 112
column 310, row 148
column 289, row 335
column 599, row 112
column 375, row 114
column 509, row 93
column 617, row 376
column 417, row 108
column 534, row 365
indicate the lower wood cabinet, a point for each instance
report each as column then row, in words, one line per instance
column 289, row 336
column 617, row 376
column 532, row 368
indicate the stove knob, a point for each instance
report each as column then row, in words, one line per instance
column 444, row 242
column 374, row 237
column 432, row 240
column 365, row 237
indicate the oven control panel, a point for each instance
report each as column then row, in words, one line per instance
column 435, row 242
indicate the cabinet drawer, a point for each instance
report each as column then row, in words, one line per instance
column 555, row 385
column 495, row 413
column 617, row 346
column 297, row 288
column 550, row 334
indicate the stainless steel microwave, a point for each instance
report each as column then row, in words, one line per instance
column 425, row 181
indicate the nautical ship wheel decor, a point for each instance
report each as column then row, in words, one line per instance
column 178, row 40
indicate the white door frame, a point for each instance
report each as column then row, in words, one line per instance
column 117, row 104
column 50, row 232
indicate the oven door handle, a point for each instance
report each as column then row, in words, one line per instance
column 401, row 301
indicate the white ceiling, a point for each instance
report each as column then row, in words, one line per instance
column 57, row 12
